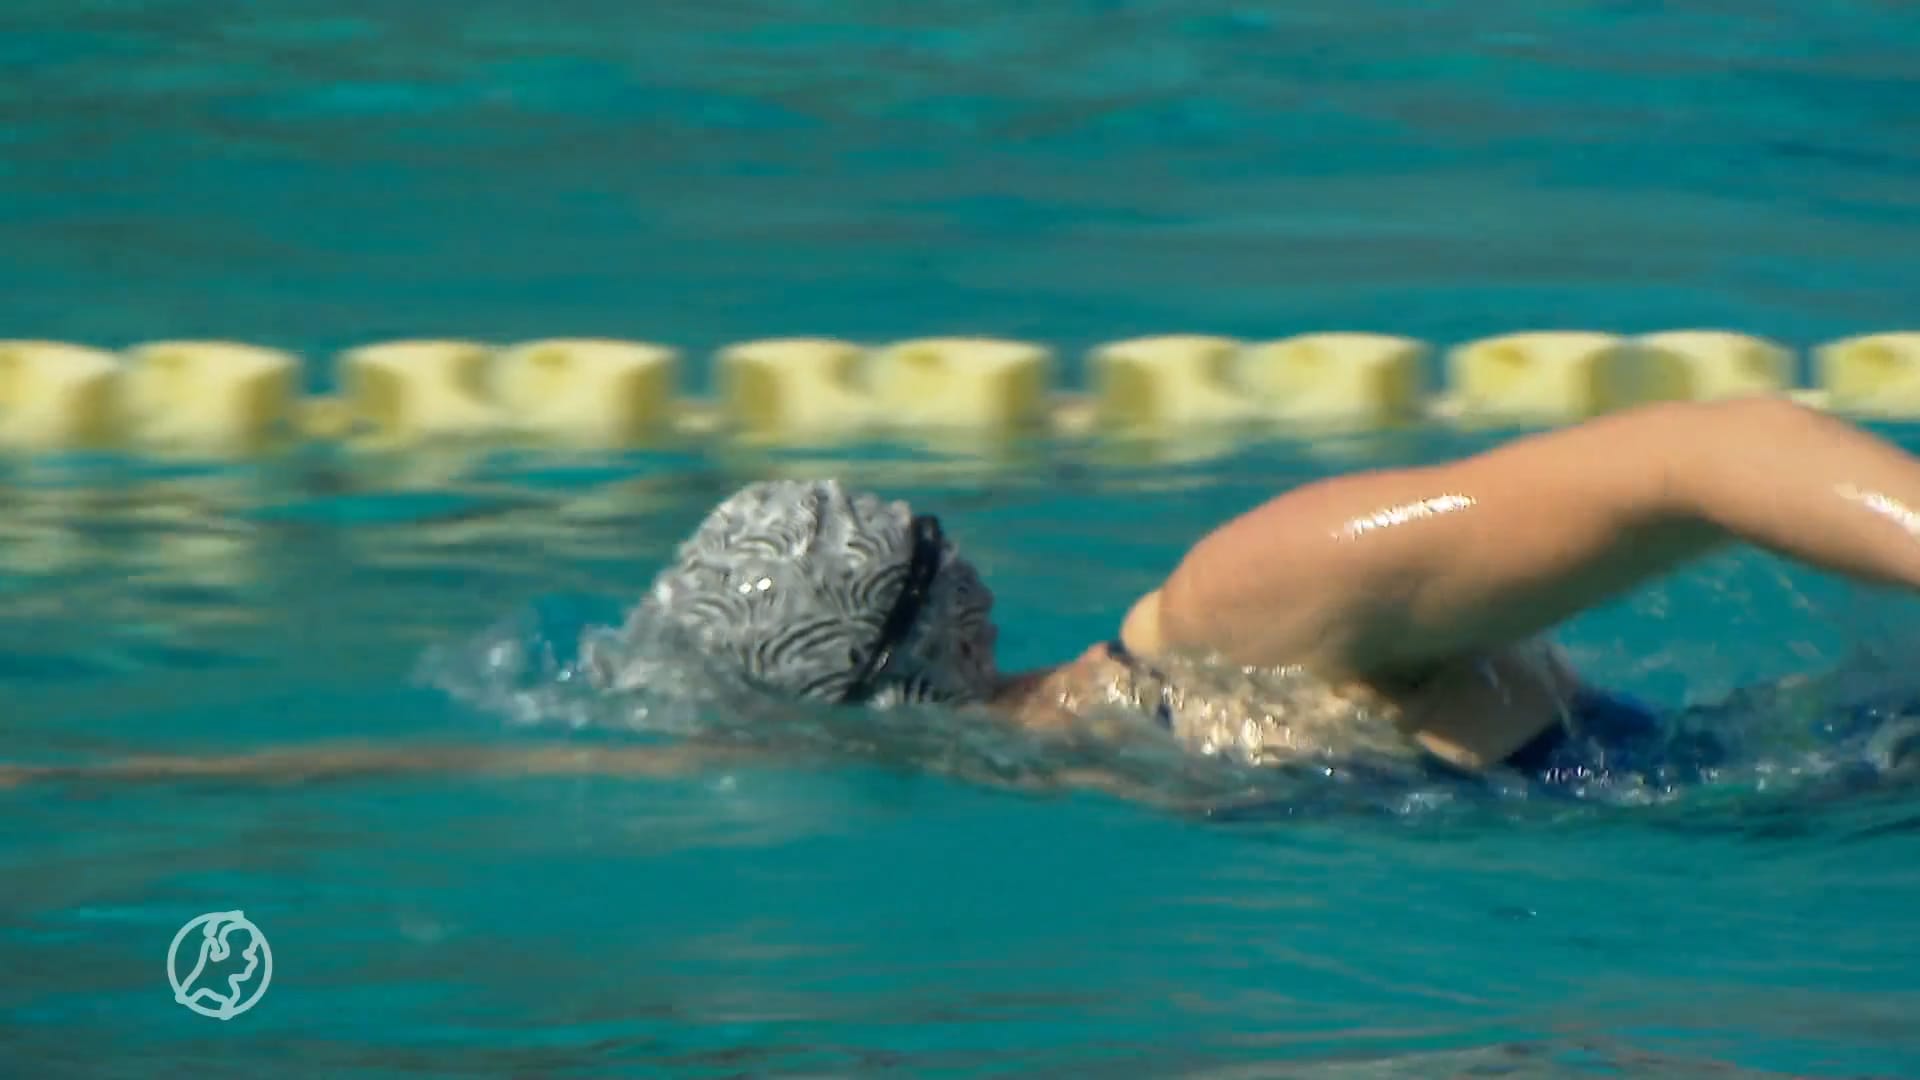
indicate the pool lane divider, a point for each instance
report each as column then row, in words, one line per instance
column 221, row 399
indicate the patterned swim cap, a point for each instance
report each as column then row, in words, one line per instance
column 799, row 588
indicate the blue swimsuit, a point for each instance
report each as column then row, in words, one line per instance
column 1612, row 735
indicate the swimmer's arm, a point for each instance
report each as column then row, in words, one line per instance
column 1111, row 784
column 352, row 761
column 1388, row 573
column 363, row 761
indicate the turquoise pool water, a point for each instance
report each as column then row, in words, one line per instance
column 854, row 919
column 312, row 176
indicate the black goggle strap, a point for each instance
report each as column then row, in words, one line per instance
column 922, row 567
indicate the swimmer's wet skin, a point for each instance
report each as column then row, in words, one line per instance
column 1399, row 609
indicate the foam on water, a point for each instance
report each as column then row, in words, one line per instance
column 1810, row 738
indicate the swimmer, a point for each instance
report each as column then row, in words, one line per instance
column 1397, row 611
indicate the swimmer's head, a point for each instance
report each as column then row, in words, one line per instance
column 803, row 589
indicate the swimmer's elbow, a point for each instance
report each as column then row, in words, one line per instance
column 1702, row 451
column 1802, row 484
column 1676, row 463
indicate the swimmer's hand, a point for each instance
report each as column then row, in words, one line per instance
column 1386, row 575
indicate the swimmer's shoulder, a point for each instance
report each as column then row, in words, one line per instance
column 1057, row 698
column 1141, row 631
column 1157, row 630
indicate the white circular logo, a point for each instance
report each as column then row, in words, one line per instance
column 209, row 978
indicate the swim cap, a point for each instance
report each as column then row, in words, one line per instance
column 799, row 588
